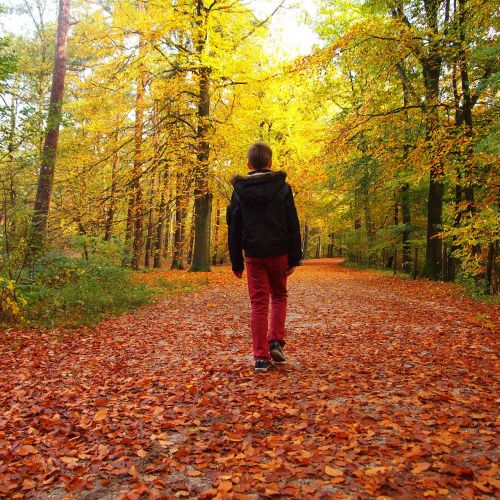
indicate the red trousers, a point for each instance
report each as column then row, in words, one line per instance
column 267, row 277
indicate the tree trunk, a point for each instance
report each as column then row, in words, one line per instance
column 406, row 215
column 149, row 237
column 110, row 214
column 160, row 223
column 405, row 189
column 396, row 227
column 46, row 175
column 368, row 226
column 129, row 228
column 318, row 248
column 191, row 241
column 305, row 241
column 11, row 146
column 202, row 195
column 431, row 62
column 466, row 110
column 138, row 208
column 216, row 233
column 180, row 224
column 331, row 245
column 433, row 257
column 490, row 275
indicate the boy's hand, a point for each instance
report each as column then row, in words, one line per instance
column 238, row 274
column 290, row 270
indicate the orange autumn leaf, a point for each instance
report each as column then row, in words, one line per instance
column 225, row 485
column 26, row 449
column 331, row 471
column 420, row 467
column 101, row 415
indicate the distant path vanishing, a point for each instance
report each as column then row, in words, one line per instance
column 391, row 389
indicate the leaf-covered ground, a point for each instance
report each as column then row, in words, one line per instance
column 390, row 390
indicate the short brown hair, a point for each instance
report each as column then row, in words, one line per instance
column 259, row 155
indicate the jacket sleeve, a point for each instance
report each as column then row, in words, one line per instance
column 295, row 241
column 234, row 234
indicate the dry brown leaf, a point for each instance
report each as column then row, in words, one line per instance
column 331, row 471
column 101, row 415
column 26, row 449
column 420, row 467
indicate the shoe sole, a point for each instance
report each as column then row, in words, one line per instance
column 266, row 369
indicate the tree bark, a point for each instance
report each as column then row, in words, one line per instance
column 406, row 216
column 161, row 223
column 110, row 214
column 467, row 106
column 405, row 190
column 490, row 275
column 305, row 241
column 216, row 233
column 138, row 208
column 180, row 224
column 46, row 174
column 433, row 258
column 149, row 238
column 202, row 196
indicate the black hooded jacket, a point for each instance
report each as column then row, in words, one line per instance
column 262, row 218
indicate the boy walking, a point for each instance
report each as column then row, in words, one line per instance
column 262, row 221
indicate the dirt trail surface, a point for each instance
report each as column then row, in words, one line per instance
column 390, row 390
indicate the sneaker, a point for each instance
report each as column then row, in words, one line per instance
column 277, row 352
column 262, row 365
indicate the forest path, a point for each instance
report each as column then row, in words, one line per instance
column 389, row 390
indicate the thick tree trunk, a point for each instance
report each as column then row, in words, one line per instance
column 46, row 175
column 490, row 275
column 331, row 245
column 431, row 62
column 433, row 258
column 203, row 197
column 180, row 224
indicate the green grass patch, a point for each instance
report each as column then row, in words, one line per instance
column 472, row 288
column 72, row 293
column 376, row 269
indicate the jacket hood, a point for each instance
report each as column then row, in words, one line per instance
column 259, row 186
